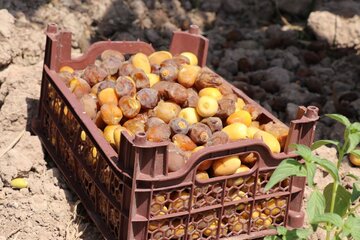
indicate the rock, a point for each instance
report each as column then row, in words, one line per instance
column 291, row 110
column 329, row 107
column 7, row 23
column 278, row 103
column 229, row 65
column 244, row 65
column 233, row 6
column 260, row 63
column 277, row 62
column 6, row 53
column 291, row 62
column 337, row 131
column 38, row 203
column 257, row 77
column 152, row 36
column 270, row 87
column 279, row 38
column 267, row 9
column 118, row 17
column 224, row 73
column 314, row 84
column 7, row 172
column 311, row 57
column 296, row 94
column 340, row 86
column 337, row 23
column 247, row 44
column 210, row 5
column 321, row 131
column 355, row 105
column 278, row 76
column 234, row 35
column 294, row 7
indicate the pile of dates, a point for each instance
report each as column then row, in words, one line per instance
column 171, row 99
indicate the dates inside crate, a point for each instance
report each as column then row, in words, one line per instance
column 131, row 195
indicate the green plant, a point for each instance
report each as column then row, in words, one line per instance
column 334, row 207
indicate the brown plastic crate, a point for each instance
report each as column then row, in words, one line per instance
column 131, row 195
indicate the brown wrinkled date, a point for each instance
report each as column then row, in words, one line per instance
column 192, row 98
column 140, row 78
column 179, row 125
column 168, row 73
column 153, row 121
column 200, row 133
column 207, row 79
column 94, row 74
column 176, row 157
column 126, row 69
column 111, row 65
column 183, row 142
column 129, row 106
column 104, row 84
column 148, row 98
column 226, row 108
column 177, row 93
column 112, row 54
column 135, row 125
column 217, row 138
column 225, row 89
column 89, row 104
column 124, row 86
column 214, row 123
column 158, row 133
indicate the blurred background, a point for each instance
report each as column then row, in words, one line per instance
column 282, row 53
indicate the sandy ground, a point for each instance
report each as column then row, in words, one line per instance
column 47, row 209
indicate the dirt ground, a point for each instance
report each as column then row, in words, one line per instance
column 250, row 45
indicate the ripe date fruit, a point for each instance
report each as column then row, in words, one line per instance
column 179, row 125
column 183, row 142
column 125, row 86
column 200, row 133
column 148, row 98
column 207, row 79
column 129, row 106
column 158, row 133
column 168, row 73
column 140, row 78
column 214, row 123
column 126, row 69
column 94, row 74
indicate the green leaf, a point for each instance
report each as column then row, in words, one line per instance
column 355, row 192
column 320, row 143
column 353, row 176
column 329, row 167
column 299, row 233
column 281, row 230
column 287, row 167
column 332, row 218
column 316, row 204
column 311, row 169
column 352, row 226
column 339, row 118
column 342, row 199
column 303, row 151
column 356, row 152
column 353, row 141
column 302, row 233
column 354, row 127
